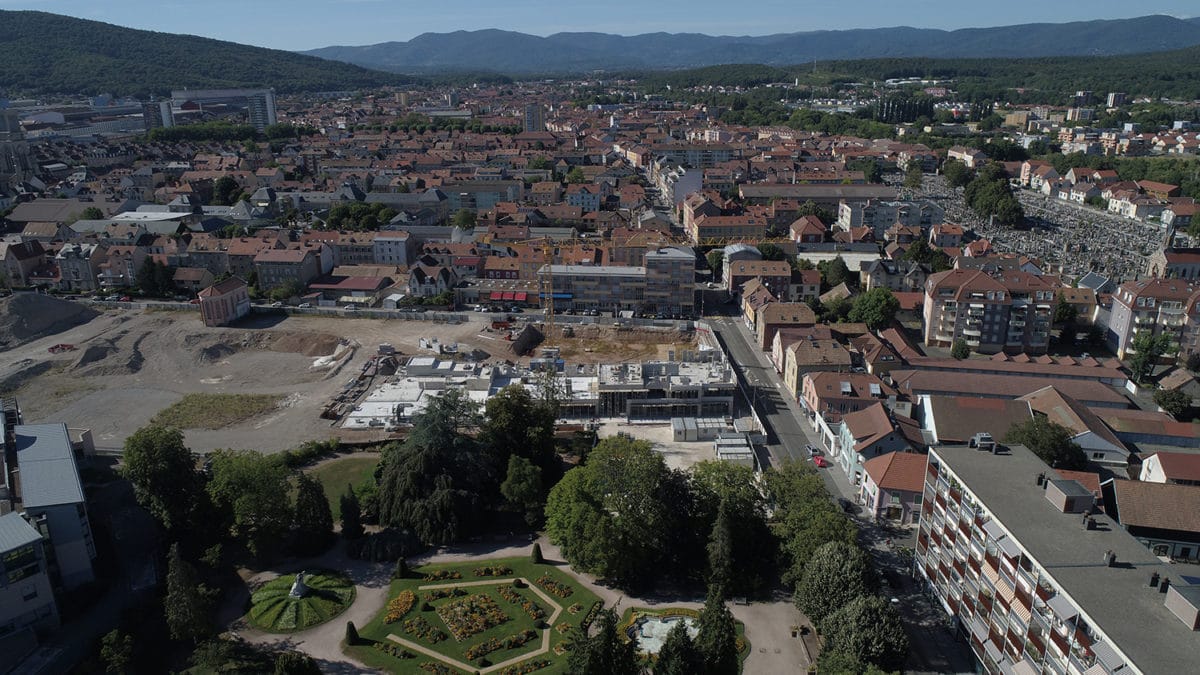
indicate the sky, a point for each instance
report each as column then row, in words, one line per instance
column 308, row 24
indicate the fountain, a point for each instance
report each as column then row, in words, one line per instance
column 299, row 590
column 651, row 630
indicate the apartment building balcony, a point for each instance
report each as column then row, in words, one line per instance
column 1016, row 322
column 975, row 311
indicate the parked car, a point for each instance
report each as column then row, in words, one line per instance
column 820, row 461
column 277, row 304
column 112, row 298
column 194, row 301
column 813, row 450
column 305, row 305
column 124, row 298
column 350, row 307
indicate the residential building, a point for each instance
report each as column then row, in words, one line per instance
column 1098, row 442
column 192, row 280
column 1155, row 306
column 121, row 266
column 280, row 267
column 393, row 248
column 535, row 117
column 775, row 275
column 777, row 315
column 914, row 383
column 893, row 487
column 810, row 355
column 869, row 433
column 224, row 302
column 1165, row 518
column 18, row 260
column 726, row 228
column 827, row 397
column 1176, row 468
column 78, row 265
column 1036, row 580
column 50, row 491
column 664, row 285
column 954, row 420
column 1007, row 312
column 894, row 275
column 26, row 592
column 806, row 285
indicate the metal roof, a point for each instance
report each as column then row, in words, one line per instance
column 47, row 467
column 15, row 532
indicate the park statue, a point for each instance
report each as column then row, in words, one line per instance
column 299, row 590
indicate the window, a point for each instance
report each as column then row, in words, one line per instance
column 1097, row 455
column 28, row 592
column 917, row 499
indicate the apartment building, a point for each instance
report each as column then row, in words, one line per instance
column 1156, row 306
column 736, row 228
column 663, row 285
column 26, row 592
column 1037, row 580
column 1010, row 311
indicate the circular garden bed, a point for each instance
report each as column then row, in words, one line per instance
column 273, row 609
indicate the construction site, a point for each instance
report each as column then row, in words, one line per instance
column 113, row 370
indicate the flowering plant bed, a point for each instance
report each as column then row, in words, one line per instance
column 440, row 593
column 398, row 606
column 553, row 587
column 421, row 629
column 526, row 667
column 498, row 571
column 510, row 594
column 394, row 650
column 272, row 607
column 435, row 668
column 443, row 575
column 471, row 615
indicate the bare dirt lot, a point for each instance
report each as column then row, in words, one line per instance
column 129, row 364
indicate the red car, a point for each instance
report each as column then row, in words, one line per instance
column 820, row 461
column 125, row 298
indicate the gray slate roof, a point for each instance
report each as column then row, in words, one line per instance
column 49, row 475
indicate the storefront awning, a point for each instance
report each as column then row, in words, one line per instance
column 508, row 295
column 496, row 295
column 521, row 296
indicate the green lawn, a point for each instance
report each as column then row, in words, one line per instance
column 336, row 474
column 273, row 609
column 215, row 411
column 517, row 618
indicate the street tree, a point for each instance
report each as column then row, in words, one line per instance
column 716, row 262
column 1147, row 349
column 678, row 655
column 868, row 630
column 252, row 491
column 163, row 474
column 957, row 174
column 314, row 519
column 717, row 639
column 805, row 516
column 464, row 219
column 837, row 573
column 1050, row 441
column 187, row 602
column 1174, row 401
column 877, row 308
column 605, row 653
column 772, row 252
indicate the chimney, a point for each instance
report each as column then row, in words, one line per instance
column 1165, row 585
column 1110, row 558
column 1041, row 479
column 1154, row 580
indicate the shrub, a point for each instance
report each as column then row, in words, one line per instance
column 536, row 555
column 442, row 575
column 499, row 571
column 351, row 633
column 401, row 571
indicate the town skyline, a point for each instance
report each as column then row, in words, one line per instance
column 312, row 24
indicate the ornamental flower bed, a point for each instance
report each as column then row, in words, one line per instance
column 394, row 650
column 520, row 639
column 510, row 594
column 439, row 593
column 525, row 667
column 575, row 608
column 499, row 571
column 421, row 629
column 471, row 615
column 435, row 668
column 563, row 627
column 398, row 606
column 553, row 587
column 483, row 649
column 442, row 575
column 593, row 612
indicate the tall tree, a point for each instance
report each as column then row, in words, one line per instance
column 351, row 514
column 621, row 514
column 1050, row 441
column 252, row 490
column 295, row 663
column 314, row 519
column 678, row 655
column 837, row 573
column 754, row 548
column 913, row 176
column 1147, row 348
column 1174, row 401
column 877, row 308
column 522, row 489
column 163, row 474
column 605, row 653
column 716, row 262
column 464, row 219
column 806, row 516
column 116, row 651
column 959, row 349
column 717, row 640
column 834, row 272
column 187, row 601
column 515, row 423
column 868, row 630
column 771, row 251
column 720, row 550
column 432, row 484
column 957, row 174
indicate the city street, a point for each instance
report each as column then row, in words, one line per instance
column 933, row 647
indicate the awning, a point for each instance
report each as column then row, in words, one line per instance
column 993, row 529
column 496, row 295
column 508, row 295
column 993, row 652
column 1009, row 547
column 1107, row 655
column 1062, row 608
column 521, row 295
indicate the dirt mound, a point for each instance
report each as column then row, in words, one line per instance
column 23, row 373
column 120, row 361
column 216, row 352
column 93, row 353
column 308, row 344
column 28, row 316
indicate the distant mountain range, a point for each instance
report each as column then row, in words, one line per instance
column 512, row 52
column 43, row 53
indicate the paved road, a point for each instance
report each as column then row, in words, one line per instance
column 933, row 647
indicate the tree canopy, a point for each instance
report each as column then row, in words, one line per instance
column 868, row 629
column 1050, row 441
column 605, row 653
column 163, row 474
column 1147, row 348
column 252, row 490
column 877, row 308
column 836, row 574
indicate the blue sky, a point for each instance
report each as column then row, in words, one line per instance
column 306, row 24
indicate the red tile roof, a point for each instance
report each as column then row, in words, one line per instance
column 897, row 471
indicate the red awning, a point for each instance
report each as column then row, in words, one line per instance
column 520, row 296
column 496, row 295
column 508, row 295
